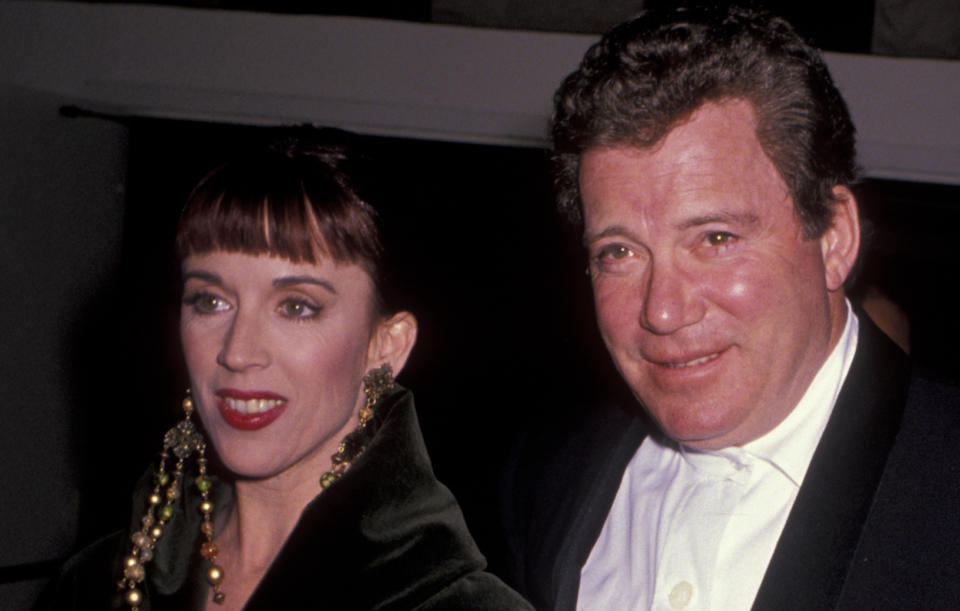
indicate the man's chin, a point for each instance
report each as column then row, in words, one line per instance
column 691, row 428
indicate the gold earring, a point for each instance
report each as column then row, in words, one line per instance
column 376, row 383
column 182, row 441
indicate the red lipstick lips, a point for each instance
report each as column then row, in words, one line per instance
column 249, row 410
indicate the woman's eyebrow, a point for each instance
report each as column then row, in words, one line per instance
column 285, row 281
column 206, row 276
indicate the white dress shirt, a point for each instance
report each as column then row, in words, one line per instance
column 694, row 529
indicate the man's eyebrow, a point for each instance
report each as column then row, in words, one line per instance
column 286, row 281
column 734, row 218
column 612, row 230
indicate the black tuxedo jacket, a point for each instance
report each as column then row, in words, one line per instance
column 876, row 524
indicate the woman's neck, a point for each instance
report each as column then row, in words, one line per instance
column 264, row 514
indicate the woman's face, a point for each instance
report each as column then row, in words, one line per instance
column 276, row 353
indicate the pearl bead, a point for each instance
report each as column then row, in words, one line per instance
column 133, row 597
column 215, row 575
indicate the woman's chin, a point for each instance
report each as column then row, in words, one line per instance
column 244, row 469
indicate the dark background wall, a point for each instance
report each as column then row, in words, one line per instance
column 61, row 211
column 918, row 28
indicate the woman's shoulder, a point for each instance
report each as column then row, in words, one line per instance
column 86, row 580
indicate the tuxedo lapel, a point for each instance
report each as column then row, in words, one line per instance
column 558, row 490
column 611, row 452
column 814, row 552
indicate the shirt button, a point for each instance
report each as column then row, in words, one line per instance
column 681, row 595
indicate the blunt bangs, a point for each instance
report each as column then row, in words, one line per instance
column 298, row 205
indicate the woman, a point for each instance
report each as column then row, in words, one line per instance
column 290, row 343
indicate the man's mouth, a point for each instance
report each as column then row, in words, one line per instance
column 691, row 363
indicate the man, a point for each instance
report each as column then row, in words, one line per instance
column 787, row 458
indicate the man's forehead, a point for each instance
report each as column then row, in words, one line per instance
column 717, row 141
column 704, row 173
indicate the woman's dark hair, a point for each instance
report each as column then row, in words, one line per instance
column 301, row 194
column 646, row 76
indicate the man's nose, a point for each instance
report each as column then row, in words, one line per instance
column 243, row 346
column 671, row 300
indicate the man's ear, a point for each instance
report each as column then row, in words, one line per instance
column 840, row 243
column 393, row 340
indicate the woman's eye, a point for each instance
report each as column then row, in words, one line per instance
column 298, row 308
column 206, row 303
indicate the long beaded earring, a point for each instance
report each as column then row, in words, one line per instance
column 182, row 441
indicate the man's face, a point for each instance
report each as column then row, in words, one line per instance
column 715, row 307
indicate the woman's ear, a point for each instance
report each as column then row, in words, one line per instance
column 392, row 341
column 840, row 243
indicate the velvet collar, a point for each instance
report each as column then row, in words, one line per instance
column 388, row 532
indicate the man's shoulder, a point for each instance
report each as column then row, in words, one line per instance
column 921, row 407
column 932, row 388
column 910, row 550
column 931, row 419
column 928, row 397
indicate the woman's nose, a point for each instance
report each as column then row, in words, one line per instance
column 243, row 346
column 671, row 301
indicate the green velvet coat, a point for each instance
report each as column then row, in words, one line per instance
column 387, row 535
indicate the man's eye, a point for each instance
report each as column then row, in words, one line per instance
column 298, row 308
column 719, row 238
column 612, row 258
column 614, row 252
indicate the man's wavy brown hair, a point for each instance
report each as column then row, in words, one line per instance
column 646, row 76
